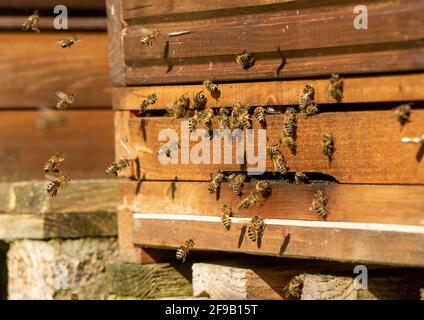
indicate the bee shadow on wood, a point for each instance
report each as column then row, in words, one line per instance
column 165, row 57
column 282, row 64
column 242, row 234
column 259, row 241
column 173, row 188
column 138, row 187
column 138, row 170
column 218, row 194
column 420, row 153
column 143, row 129
column 284, row 244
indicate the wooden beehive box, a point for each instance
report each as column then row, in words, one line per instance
column 374, row 184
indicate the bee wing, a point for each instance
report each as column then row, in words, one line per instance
column 50, row 177
column 61, row 95
column 139, row 95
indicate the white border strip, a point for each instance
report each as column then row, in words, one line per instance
column 292, row 223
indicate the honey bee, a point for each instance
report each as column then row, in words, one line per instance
column 278, row 160
column 273, row 152
column 216, row 182
column 193, row 120
column 336, row 87
column 306, row 98
column 327, row 145
column 150, row 99
column 294, row 287
column 117, row 166
column 56, row 184
column 207, row 116
column 199, row 100
column 403, row 112
column 227, row 213
column 311, row 109
column 148, row 38
column 74, row 296
column 319, row 203
column 264, row 188
column 68, row 42
column 256, row 228
column 224, row 119
column 183, row 251
column 259, row 115
column 300, row 178
column 212, row 88
column 289, row 129
column 31, row 23
column 244, row 119
column 245, row 60
column 52, row 165
column 237, row 183
column 248, row 201
column 65, row 101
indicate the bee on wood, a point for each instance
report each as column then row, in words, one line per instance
column 193, row 120
column 207, row 116
column 148, row 38
column 256, row 228
column 224, row 119
column 273, row 151
column 311, row 109
column 264, row 188
column 216, row 182
column 183, row 251
column 150, row 99
column 117, row 166
column 237, row 183
column 280, row 164
column 289, row 129
column 300, row 178
column 336, row 87
column 306, row 98
column 68, row 42
column 403, row 112
column 166, row 149
column 327, row 145
column 212, row 88
column 244, row 119
column 56, row 184
column 259, row 116
column 64, row 100
column 245, row 60
column 248, row 201
column 294, row 287
column 52, row 165
column 31, row 23
column 199, row 100
column 227, row 213
column 319, row 203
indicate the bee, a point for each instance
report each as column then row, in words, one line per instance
column 245, row 60
column 224, row 120
column 199, row 100
column 271, row 110
column 56, row 184
column 31, row 23
column 403, row 112
column 248, row 201
column 52, row 165
column 184, row 101
column 289, row 129
column 294, row 287
column 327, row 145
column 300, row 178
column 148, row 38
column 227, row 213
column 212, row 88
column 244, row 119
column 117, row 166
column 336, row 87
column 237, row 183
column 65, row 101
column 264, row 188
column 193, row 120
column 318, row 204
column 259, row 115
column 207, row 116
column 216, row 181
column 273, row 152
column 74, row 296
column 311, row 109
column 150, row 99
column 306, row 98
column 68, row 42
column 256, row 228
column 280, row 166
column 183, row 251
column 166, row 149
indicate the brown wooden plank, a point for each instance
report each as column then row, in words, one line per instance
column 368, row 147
column 50, row 4
column 14, row 23
column 390, row 204
column 33, row 67
column 86, row 138
column 384, row 88
column 344, row 244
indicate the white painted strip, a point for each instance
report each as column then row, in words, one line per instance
column 291, row 223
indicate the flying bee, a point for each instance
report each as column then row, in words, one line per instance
column 245, row 60
column 336, row 87
column 237, row 183
column 149, row 100
column 56, row 184
column 148, row 38
column 117, row 166
column 259, row 116
column 167, row 148
column 65, row 101
column 300, row 178
column 248, row 201
column 264, row 188
column 31, row 23
column 311, row 109
column 212, row 88
column 68, row 42
column 227, row 213
column 403, row 112
column 52, row 165
column 306, row 98
column 199, row 100
column 256, row 228
column 294, row 287
column 327, row 145
column 183, row 251
column 319, row 204
column 207, row 116
column 216, row 182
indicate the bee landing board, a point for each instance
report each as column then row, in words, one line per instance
column 372, row 184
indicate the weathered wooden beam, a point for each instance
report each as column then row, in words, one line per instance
column 50, row 4
column 14, row 23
